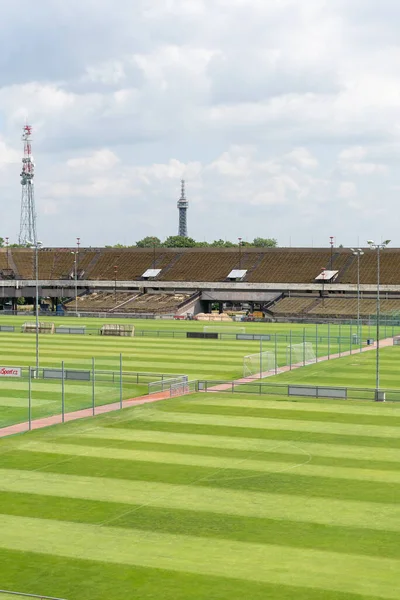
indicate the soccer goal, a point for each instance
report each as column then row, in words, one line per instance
column 303, row 354
column 256, row 364
column 222, row 329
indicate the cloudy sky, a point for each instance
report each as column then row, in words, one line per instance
column 283, row 116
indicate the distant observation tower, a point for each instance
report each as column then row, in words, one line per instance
column 182, row 208
column 27, row 228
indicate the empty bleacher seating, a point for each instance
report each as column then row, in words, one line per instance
column 269, row 265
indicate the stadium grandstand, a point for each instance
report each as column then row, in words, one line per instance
column 279, row 282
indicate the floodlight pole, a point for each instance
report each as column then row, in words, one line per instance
column 76, row 282
column 36, row 245
column 358, row 252
column 378, row 248
column 331, row 243
column 8, row 265
column 323, row 284
column 37, row 307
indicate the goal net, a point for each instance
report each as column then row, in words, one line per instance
column 254, row 365
column 303, row 354
column 222, row 329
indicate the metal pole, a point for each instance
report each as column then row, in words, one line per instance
column 37, row 308
column 62, row 392
column 358, row 294
column 340, row 340
column 329, row 341
column 351, row 339
column 261, row 362
column 76, row 284
column 276, row 354
column 30, row 400
column 304, row 346
column 378, row 314
column 120, row 381
column 316, row 342
column 93, row 388
column 290, row 349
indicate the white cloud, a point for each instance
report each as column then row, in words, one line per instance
column 347, row 189
column 284, row 129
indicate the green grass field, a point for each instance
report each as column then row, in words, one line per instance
column 198, row 358
column 209, row 496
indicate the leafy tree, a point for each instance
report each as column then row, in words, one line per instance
column 149, row 242
column 222, row 244
column 202, row 245
column 1, row 242
column 264, row 242
column 179, row 241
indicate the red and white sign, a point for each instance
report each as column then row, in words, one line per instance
column 10, row 372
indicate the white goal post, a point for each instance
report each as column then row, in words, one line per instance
column 254, row 365
column 222, row 329
column 300, row 354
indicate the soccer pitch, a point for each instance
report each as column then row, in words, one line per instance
column 211, row 496
column 157, row 351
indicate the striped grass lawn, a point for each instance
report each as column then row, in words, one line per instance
column 357, row 370
column 46, row 397
column 200, row 359
column 209, row 496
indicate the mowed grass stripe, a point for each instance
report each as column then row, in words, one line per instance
column 300, row 467
column 301, row 508
column 261, row 423
column 290, row 405
column 245, row 433
column 249, row 445
column 348, row 540
column 284, row 482
column 276, row 455
column 274, row 413
column 251, row 562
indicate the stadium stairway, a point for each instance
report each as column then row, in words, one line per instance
column 12, row 264
column 345, row 268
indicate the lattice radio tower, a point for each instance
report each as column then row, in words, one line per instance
column 182, row 207
column 27, row 227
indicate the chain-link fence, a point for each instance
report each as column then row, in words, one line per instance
column 57, row 394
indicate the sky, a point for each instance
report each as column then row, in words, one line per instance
column 283, row 117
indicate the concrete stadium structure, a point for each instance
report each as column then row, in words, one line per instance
column 207, row 275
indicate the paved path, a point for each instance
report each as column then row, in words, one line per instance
column 106, row 408
column 226, row 386
column 80, row 414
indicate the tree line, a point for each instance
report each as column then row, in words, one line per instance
column 178, row 241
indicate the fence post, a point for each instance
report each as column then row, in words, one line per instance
column 62, row 392
column 329, row 341
column 351, row 338
column 93, row 388
column 120, row 381
column 30, row 400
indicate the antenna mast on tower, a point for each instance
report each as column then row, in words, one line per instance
column 182, row 207
column 27, row 228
